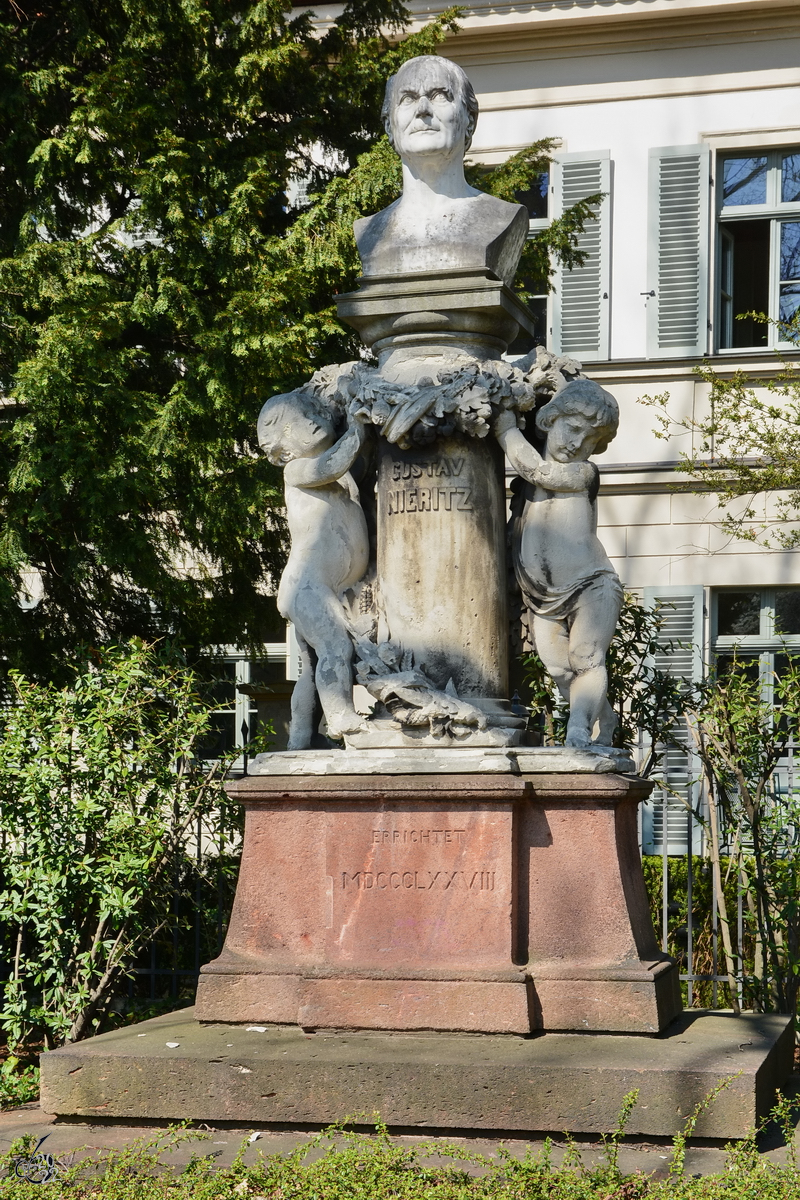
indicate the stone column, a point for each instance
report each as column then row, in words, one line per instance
column 442, row 561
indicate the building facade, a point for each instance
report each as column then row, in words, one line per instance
column 686, row 115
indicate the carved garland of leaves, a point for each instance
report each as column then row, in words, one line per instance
column 463, row 399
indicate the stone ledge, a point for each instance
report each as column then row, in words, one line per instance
column 466, row 760
column 460, row 1082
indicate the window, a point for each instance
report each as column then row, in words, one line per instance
column 758, row 208
column 537, row 201
column 759, row 624
column 245, row 693
column 757, row 627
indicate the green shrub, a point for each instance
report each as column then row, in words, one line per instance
column 19, row 1083
column 99, row 788
column 340, row 1164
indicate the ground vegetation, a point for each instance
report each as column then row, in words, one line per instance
column 341, row 1164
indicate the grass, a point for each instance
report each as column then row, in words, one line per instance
column 340, row 1164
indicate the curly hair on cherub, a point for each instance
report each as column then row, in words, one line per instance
column 587, row 399
column 282, row 411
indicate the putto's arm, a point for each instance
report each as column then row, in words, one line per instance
column 329, row 466
column 566, row 477
column 523, row 457
column 527, row 462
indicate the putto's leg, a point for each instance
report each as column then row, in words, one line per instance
column 318, row 614
column 606, row 725
column 304, row 696
column 334, row 678
column 552, row 646
column 591, row 632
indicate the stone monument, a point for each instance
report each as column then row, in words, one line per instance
column 417, row 870
column 428, row 870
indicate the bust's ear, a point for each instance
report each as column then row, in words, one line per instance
column 387, row 125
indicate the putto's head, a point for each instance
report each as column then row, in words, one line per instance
column 588, row 418
column 429, row 107
column 295, row 425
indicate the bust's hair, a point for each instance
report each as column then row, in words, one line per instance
column 289, row 405
column 587, row 399
column 462, row 90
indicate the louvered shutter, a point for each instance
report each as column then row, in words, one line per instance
column 580, row 304
column 665, row 814
column 679, row 209
column 294, row 659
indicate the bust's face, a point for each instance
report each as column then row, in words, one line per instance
column 427, row 115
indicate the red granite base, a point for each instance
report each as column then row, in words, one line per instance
column 499, row 904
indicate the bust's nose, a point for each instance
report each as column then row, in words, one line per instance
column 424, row 107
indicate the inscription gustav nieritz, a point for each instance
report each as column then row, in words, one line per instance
column 419, row 499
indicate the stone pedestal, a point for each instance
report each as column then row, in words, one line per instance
column 468, row 307
column 498, row 903
column 173, row 1068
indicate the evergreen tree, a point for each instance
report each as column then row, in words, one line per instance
column 159, row 283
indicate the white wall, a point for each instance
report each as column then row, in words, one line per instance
column 626, row 96
column 628, row 128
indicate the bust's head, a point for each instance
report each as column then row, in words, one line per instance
column 429, row 108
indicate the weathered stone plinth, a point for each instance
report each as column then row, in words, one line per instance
column 493, row 903
column 455, row 1082
column 469, row 308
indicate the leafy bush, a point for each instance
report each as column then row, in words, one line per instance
column 740, row 738
column 99, row 786
column 18, row 1083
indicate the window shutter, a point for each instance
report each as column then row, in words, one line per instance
column 665, row 813
column 294, row 659
column 580, row 304
column 677, row 315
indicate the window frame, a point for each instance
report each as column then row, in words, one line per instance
column 764, row 645
column 243, row 706
column 773, row 210
column 537, row 225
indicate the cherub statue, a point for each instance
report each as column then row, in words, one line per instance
column 329, row 553
column 568, row 583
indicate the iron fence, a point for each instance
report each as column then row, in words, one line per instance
column 683, row 902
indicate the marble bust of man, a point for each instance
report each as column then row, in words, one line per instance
column 439, row 222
